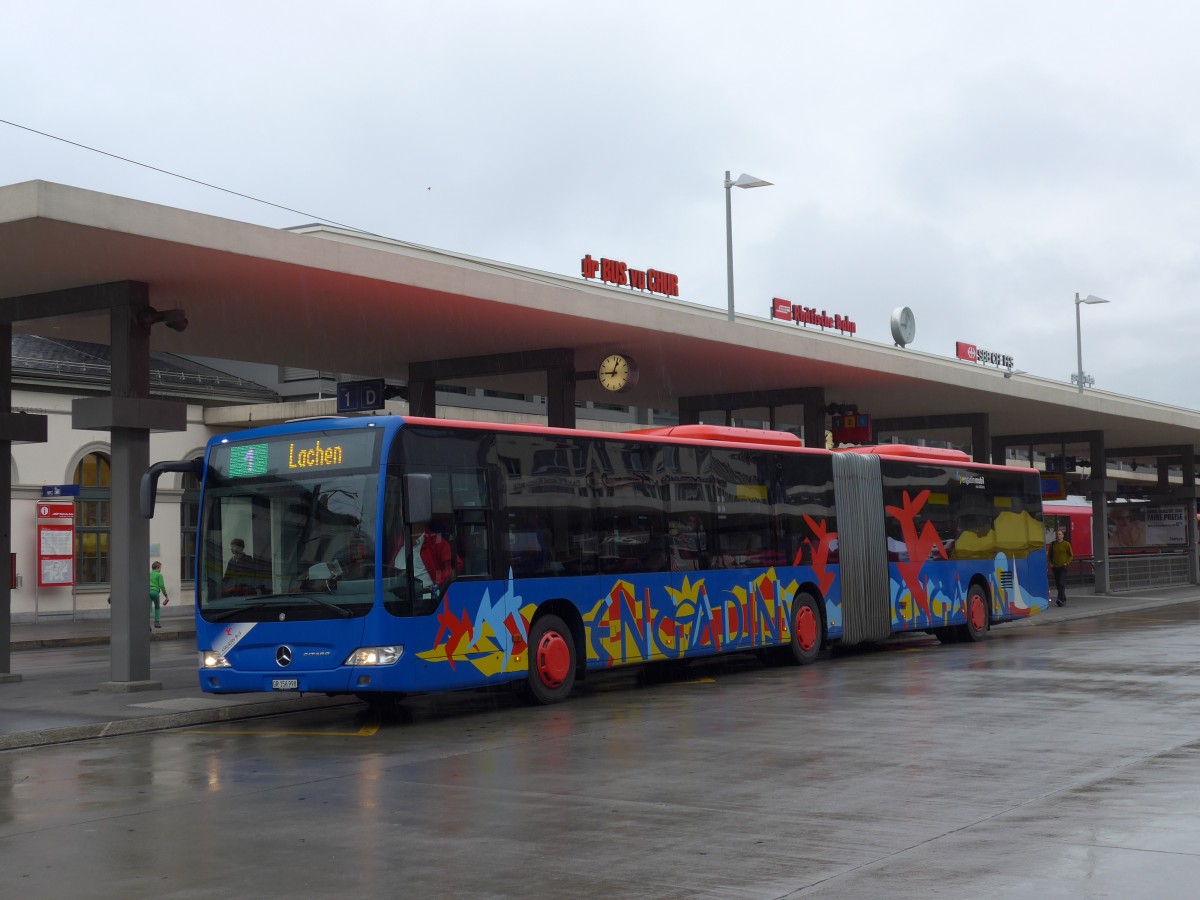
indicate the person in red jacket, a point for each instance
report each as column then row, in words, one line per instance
column 433, row 557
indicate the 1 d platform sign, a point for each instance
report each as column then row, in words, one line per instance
column 360, row 396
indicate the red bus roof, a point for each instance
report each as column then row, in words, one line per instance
column 941, row 454
column 724, row 433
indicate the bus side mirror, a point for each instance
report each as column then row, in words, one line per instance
column 418, row 498
column 149, row 486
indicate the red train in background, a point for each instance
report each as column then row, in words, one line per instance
column 1075, row 518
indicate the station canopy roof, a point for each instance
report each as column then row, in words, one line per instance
column 333, row 300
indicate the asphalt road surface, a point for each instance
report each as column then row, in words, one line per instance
column 1061, row 761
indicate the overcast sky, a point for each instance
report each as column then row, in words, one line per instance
column 979, row 162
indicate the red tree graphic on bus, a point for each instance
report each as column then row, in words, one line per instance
column 820, row 552
column 917, row 545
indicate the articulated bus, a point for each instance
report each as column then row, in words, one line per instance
column 395, row 555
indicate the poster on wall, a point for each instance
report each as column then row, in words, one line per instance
column 1166, row 526
column 56, row 572
column 1137, row 525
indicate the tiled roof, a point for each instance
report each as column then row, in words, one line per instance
column 76, row 363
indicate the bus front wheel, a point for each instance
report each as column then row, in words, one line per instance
column 551, row 660
column 807, row 629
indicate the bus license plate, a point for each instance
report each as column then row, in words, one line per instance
column 285, row 684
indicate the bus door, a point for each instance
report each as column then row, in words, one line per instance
column 436, row 532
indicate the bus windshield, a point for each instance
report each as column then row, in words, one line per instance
column 276, row 548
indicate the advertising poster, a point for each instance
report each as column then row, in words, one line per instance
column 1133, row 525
column 1166, row 526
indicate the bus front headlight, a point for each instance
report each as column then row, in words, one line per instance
column 374, row 656
column 211, row 660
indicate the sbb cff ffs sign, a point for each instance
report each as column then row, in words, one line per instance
column 974, row 354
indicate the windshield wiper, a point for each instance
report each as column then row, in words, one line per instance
column 236, row 611
column 345, row 613
column 266, row 601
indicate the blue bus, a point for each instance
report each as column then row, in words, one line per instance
column 393, row 555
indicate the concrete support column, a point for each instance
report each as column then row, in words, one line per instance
column 129, row 562
column 1188, row 461
column 6, row 510
column 1099, row 511
column 560, row 396
column 14, row 427
column 421, row 399
column 130, row 537
column 814, row 418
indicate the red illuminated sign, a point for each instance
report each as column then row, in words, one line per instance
column 807, row 315
column 612, row 271
column 852, row 429
column 971, row 353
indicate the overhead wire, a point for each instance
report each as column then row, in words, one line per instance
column 529, row 274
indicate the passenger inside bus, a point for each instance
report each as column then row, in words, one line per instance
column 689, row 544
column 433, row 559
column 243, row 574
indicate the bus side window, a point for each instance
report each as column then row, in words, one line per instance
column 472, row 544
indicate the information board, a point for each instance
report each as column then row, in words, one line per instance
column 55, row 544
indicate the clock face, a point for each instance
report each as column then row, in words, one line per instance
column 617, row 373
column 904, row 326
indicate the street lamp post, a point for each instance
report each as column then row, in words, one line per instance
column 744, row 181
column 1089, row 299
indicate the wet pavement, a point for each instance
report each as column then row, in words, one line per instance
column 1048, row 762
column 61, row 665
column 54, row 693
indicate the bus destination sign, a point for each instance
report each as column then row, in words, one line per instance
column 297, row 454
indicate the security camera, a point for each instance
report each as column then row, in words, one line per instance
column 174, row 319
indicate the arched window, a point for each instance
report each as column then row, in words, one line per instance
column 189, row 517
column 93, row 519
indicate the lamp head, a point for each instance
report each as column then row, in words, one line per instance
column 1091, row 298
column 750, row 181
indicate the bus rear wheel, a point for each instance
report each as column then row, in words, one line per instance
column 807, row 628
column 551, row 660
column 976, row 626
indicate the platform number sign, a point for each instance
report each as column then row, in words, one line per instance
column 360, row 396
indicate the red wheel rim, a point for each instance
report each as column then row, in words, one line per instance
column 806, row 628
column 978, row 613
column 553, row 659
